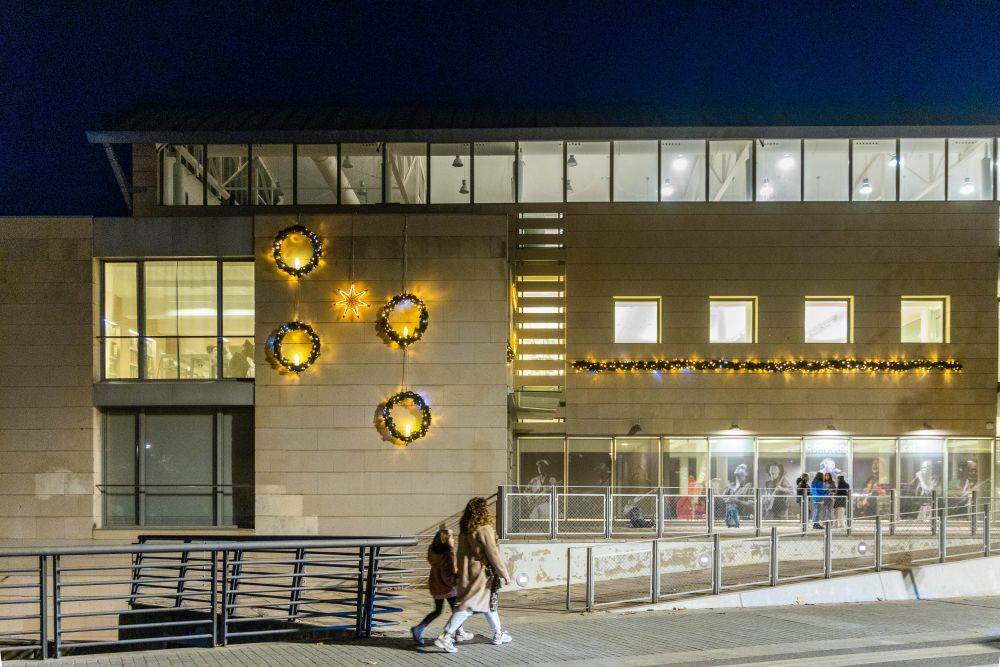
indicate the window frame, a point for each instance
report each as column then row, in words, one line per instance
column 755, row 305
column 850, row 319
column 140, row 263
column 659, row 318
column 945, row 300
column 139, row 487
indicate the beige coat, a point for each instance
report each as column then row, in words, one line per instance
column 474, row 551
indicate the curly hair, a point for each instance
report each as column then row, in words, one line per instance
column 477, row 514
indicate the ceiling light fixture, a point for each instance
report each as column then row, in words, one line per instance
column 667, row 188
column 569, row 185
column 571, row 162
column 347, row 162
column 967, row 186
column 766, row 190
column 680, row 163
column 866, row 187
column 787, row 162
column 464, row 190
column 457, row 162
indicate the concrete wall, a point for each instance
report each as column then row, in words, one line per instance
column 47, row 459
column 321, row 466
column 781, row 253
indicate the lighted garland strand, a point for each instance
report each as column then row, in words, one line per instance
column 385, row 330
column 797, row 366
column 385, row 415
column 314, row 241
column 276, row 339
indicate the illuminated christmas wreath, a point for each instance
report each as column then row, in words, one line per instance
column 296, row 267
column 295, row 364
column 387, row 425
column 388, row 333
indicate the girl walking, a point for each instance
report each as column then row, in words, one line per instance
column 441, row 582
column 481, row 573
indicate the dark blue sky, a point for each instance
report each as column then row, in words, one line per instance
column 68, row 67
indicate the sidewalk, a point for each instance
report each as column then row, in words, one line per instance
column 954, row 632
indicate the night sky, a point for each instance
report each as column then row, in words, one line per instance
column 69, row 67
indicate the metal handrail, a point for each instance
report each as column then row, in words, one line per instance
column 246, row 587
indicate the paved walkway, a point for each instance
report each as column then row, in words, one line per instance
column 954, row 632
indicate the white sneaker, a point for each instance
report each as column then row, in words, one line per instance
column 501, row 637
column 463, row 636
column 446, row 644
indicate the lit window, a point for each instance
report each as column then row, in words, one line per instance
column 361, row 173
column 193, row 325
column 451, row 174
column 924, row 319
column 588, row 171
column 682, row 168
column 873, row 170
column 970, row 169
column 637, row 319
column 635, row 171
column 829, row 319
column 729, row 171
column 827, row 166
column 733, row 319
column 921, row 169
column 779, row 170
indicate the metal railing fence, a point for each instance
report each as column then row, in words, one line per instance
column 714, row 562
column 195, row 592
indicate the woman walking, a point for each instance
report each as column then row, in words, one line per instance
column 481, row 573
column 441, row 582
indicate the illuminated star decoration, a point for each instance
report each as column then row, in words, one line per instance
column 351, row 301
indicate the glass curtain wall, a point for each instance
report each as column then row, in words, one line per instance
column 540, row 174
column 779, row 464
column 406, row 171
column 635, row 171
column 921, row 169
column 228, row 175
column 316, row 173
column 682, row 170
column 273, row 183
column 121, row 321
column 451, row 174
column 182, row 175
column 827, row 167
column 779, row 170
column 915, row 467
column 361, row 173
column 730, row 172
column 970, row 169
column 494, row 181
column 873, row 169
column 588, row 171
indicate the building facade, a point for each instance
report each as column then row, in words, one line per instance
column 627, row 307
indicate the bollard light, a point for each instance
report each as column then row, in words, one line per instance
column 521, row 579
column 704, row 560
column 862, row 548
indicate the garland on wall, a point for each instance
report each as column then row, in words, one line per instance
column 296, row 268
column 405, row 338
column 407, row 434
column 771, row 366
column 277, row 355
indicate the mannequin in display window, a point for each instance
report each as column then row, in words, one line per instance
column 737, row 497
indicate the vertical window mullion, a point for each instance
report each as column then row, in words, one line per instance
column 220, row 332
column 140, row 298
column 140, row 467
column 295, row 174
column 204, row 174
column 218, row 490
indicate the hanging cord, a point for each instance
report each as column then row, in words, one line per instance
column 298, row 284
column 403, row 289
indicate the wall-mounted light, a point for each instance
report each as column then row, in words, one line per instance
column 967, row 187
column 866, row 187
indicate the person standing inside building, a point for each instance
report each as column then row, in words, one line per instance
column 842, row 494
column 817, row 496
column 441, row 581
column 481, row 573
